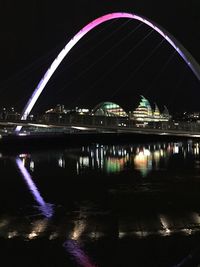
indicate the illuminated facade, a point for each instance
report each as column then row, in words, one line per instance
column 58, row 109
column 109, row 109
column 145, row 113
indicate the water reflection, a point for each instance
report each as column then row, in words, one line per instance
column 39, row 227
column 101, row 226
column 117, row 159
column 165, row 226
column 80, row 256
column 79, row 228
column 143, row 161
column 45, row 208
column 89, row 210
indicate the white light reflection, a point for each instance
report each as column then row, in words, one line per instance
column 79, row 228
column 38, row 227
column 143, row 161
column 196, row 218
column 196, row 149
column 53, row 236
column 93, row 163
column 77, row 168
column 176, row 148
column 146, row 152
column 96, row 235
column 32, row 235
column 164, row 223
column 61, row 163
column 12, row 234
column 114, row 159
column 3, row 223
column 141, row 234
column 187, row 231
column 122, row 234
column 84, row 161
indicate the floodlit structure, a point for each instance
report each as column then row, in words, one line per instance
column 59, row 109
column 109, row 109
column 145, row 113
column 187, row 57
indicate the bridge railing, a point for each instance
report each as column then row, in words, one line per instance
column 120, row 122
column 107, row 122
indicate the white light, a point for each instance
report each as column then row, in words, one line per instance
column 39, row 125
column 122, row 234
column 141, row 233
column 164, row 224
column 80, row 128
column 3, row 223
column 32, row 165
column 84, row 161
column 32, row 235
column 78, row 229
column 187, row 231
column 176, row 149
column 22, row 134
column 196, row 217
column 96, row 235
column 53, row 236
column 61, row 163
column 147, row 153
column 38, row 227
column 12, row 234
column 77, row 168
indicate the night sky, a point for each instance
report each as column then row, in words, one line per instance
column 104, row 64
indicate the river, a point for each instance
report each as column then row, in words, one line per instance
column 101, row 205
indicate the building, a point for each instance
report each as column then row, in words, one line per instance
column 9, row 114
column 145, row 113
column 108, row 114
column 58, row 109
column 109, row 109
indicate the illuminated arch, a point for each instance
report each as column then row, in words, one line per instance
column 188, row 58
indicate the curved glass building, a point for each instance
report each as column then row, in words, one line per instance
column 109, row 109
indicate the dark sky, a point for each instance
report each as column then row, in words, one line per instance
column 34, row 31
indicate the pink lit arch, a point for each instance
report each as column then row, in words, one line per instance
column 187, row 57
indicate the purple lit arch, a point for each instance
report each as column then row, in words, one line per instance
column 188, row 58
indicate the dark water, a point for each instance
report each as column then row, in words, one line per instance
column 122, row 205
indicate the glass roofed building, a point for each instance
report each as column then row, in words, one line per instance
column 145, row 113
column 109, row 109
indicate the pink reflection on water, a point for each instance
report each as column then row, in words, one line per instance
column 77, row 252
column 45, row 208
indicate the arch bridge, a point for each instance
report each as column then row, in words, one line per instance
column 186, row 56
